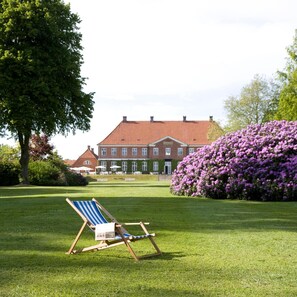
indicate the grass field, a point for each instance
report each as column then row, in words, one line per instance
column 210, row 247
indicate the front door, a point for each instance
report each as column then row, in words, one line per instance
column 167, row 167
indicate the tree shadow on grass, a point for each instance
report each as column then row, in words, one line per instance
column 129, row 184
column 34, row 191
column 53, row 214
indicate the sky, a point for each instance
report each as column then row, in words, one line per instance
column 173, row 58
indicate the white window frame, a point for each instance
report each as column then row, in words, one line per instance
column 180, row 151
column 124, row 166
column 114, row 151
column 124, row 151
column 155, row 166
column 144, row 151
column 134, row 166
column 103, row 151
column 191, row 150
column 134, row 151
column 168, row 151
column 144, row 165
column 155, row 151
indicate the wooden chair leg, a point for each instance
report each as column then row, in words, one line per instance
column 150, row 238
column 77, row 238
column 128, row 245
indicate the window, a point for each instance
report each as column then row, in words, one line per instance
column 134, row 151
column 180, row 151
column 191, row 150
column 144, row 151
column 124, row 151
column 144, row 166
column 156, row 151
column 103, row 164
column 134, row 166
column 113, row 151
column 155, row 166
column 87, row 162
column 167, row 151
column 103, row 152
column 124, row 166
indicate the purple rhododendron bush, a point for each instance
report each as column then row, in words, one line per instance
column 256, row 163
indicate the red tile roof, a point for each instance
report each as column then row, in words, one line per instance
column 88, row 155
column 146, row 132
column 69, row 162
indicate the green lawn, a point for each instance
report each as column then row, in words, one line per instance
column 210, row 247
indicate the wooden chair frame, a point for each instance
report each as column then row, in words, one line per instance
column 120, row 230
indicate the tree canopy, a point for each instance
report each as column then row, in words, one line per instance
column 254, row 105
column 287, row 108
column 41, row 87
column 8, row 153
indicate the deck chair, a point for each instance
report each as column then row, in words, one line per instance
column 91, row 212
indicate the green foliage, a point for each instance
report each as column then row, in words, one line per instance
column 254, row 105
column 9, row 166
column 40, row 80
column 287, row 109
column 57, row 160
column 9, row 153
column 214, row 132
column 44, row 173
column 9, row 174
column 54, row 173
column 75, row 179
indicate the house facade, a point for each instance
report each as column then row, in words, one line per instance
column 152, row 146
column 87, row 159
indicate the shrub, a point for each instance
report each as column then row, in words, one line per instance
column 44, row 173
column 9, row 174
column 75, row 179
column 256, row 163
column 49, row 173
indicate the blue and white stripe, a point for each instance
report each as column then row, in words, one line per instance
column 93, row 214
column 90, row 210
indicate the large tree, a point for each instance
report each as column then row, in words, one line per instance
column 41, row 87
column 287, row 108
column 254, row 105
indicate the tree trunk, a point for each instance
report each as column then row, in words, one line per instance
column 24, row 160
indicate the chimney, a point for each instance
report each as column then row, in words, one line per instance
column 124, row 119
column 92, row 149
column 152, row 118
column 89, row 147
column 210, row 118
column 184, row 118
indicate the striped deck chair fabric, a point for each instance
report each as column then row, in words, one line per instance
column 91, row 212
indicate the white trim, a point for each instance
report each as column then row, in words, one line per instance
column 124, row 159
column 166, row 137
column 122, row 145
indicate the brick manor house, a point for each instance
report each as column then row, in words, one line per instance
column 153, row 146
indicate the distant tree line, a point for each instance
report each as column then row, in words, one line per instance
column 46, row 167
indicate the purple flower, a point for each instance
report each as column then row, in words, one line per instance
column 256, row 163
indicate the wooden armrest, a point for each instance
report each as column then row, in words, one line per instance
column 130, row 224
